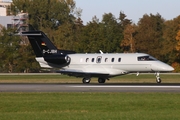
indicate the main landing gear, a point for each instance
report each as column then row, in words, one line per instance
column 101, row 80
column 87, row 80
column 158, row 79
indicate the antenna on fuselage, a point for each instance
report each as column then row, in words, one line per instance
column 101, row 52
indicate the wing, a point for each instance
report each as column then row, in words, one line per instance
column 83, row 74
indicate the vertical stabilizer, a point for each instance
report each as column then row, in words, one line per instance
column 41, row 44
column 44, row 48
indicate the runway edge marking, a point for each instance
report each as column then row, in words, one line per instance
column 120, row 86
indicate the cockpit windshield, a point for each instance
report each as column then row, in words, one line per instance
column 146, row 58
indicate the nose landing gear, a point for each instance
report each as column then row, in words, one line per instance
column 158, row 79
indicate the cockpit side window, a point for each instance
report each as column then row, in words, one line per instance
column 146, row 58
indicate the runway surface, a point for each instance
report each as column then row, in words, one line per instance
column 89, row 87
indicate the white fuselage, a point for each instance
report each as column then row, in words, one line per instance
column 112, row 64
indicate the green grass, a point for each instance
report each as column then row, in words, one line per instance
column 89, row 106
column 47, row 78
column 36, row 79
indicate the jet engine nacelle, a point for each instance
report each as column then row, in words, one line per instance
column 60, row 60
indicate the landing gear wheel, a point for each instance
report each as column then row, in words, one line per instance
column 86, row 80
column 158, row 80
column 101, row 80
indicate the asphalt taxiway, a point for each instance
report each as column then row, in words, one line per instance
column 59, row 87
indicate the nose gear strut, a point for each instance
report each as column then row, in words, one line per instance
column 158, row 79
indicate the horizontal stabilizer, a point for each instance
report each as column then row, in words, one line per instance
column 26, row 34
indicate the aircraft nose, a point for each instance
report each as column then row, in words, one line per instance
column 169, row 68
column 162, row 67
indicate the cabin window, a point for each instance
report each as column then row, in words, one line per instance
column 119, row 59
column 98, row 59
column 146, row 58
column 87, row 59
column 106, row 59
column 92, row 60
column 112, row 60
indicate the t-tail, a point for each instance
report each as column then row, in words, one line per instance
column 46, row 52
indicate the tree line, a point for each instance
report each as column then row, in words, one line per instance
column 61, row 21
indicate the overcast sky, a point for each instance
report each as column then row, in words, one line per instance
column 134, row 9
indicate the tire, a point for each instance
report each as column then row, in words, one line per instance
column 101, row 80
column 86, row 80
column 158, row 80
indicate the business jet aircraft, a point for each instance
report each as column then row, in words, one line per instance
column 101, row 65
